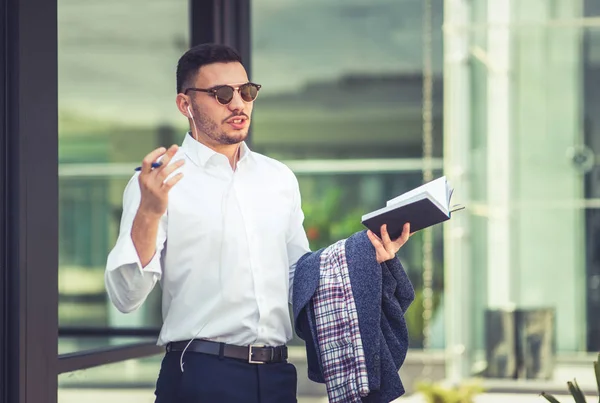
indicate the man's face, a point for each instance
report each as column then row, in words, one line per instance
column 221, row 124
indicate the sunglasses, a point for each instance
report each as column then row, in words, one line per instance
column 224, row 93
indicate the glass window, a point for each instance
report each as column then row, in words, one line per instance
column 116, row 102
column 341, row 104
column 78, row 343
column 125, row 381
column 533, row 149
column 591, row 138
column 134, row 381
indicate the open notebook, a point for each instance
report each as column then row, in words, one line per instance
column 422, row 207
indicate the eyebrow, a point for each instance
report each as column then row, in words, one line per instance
column 232, row 85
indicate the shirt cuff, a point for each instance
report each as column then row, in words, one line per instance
column 126, row 255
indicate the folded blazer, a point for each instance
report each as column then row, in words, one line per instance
column 380, row 295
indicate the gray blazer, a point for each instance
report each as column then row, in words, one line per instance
column 382, row 293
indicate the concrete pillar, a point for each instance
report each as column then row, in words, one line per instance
column 457, row 252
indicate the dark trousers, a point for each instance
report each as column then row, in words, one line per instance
column 213, row 379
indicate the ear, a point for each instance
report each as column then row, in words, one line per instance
column 183, row 103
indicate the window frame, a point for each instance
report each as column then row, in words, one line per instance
column 29, row 183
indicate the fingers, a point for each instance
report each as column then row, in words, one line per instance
column 401, row 240
column 156, row 154
column 150, row 158
column 405, row 234
column 167, row 170
column 167, row 158
column 374, row 239
column 384, row 246
column 154, row 179
column 385, row 237
column 381, row 254
column 172, row 181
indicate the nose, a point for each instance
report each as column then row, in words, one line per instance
column 237, row 103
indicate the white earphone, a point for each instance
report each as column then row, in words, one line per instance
column 191, row 116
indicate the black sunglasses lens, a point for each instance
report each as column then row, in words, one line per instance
column 224, row 95
column 249, row 92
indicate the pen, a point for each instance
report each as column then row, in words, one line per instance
column 154, row 165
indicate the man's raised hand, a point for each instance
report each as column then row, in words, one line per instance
column 154, row 187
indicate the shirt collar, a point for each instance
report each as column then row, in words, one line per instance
column 200, row 154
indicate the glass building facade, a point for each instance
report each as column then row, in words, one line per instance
column 521, row 129
column 363, row 99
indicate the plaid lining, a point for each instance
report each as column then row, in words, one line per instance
column 338, row 333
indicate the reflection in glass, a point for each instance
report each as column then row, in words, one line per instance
column 349, row 91
column 116, row 102
column 134, row 381
column 532, row 234
column 350, row 86
column 126, row 381
column 67, row 345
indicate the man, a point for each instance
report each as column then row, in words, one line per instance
column 220, row 227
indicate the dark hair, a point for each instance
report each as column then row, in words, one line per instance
column 200, row 55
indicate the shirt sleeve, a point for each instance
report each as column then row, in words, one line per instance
column 297, row 242
column 127, row 282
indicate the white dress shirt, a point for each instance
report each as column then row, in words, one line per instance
column 225, row 253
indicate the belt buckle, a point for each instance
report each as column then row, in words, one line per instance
column 250, row 360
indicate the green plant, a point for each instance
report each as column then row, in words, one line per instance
column 574, row 389
column 328, row 219
column 439, row 393
column 414, row 317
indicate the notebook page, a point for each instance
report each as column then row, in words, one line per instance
column 436, row 190
column 449, row 191
column 391, row 207
column 439, row 192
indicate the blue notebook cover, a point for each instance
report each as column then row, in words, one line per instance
column 422, row 207
column 420, row 214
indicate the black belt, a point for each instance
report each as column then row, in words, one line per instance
column 254, row 354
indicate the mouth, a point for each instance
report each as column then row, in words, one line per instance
column 238, row 122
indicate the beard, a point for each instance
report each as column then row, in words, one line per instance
column 213, row 131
